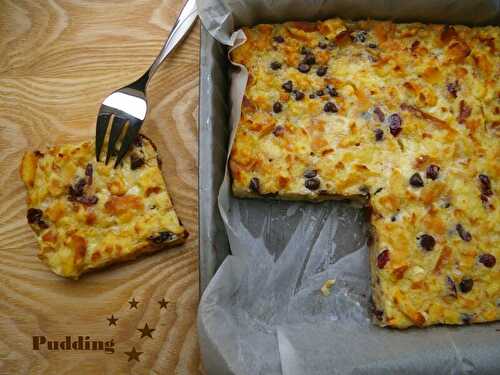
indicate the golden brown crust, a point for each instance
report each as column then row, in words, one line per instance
column 406, row 114
column 87, row 215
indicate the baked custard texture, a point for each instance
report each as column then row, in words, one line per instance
column 87, row 215
column 405, row 115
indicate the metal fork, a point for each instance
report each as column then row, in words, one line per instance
column 127, row 107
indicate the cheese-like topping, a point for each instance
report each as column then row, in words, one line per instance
column 406, row 115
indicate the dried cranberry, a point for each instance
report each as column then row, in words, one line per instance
column 332, row 91
column 299, row 95
column 279, row 131
column 312, row 183
column 310, row 173
column 279, row 39
column 321, row 71
column 379, row 113
column 466, row 285
column 453, row 88
column 488, row 260
column 464, row 235
column 485, row 185
column 254, row 185
column 452, row 286
column 275, row 65
column 465, row 112
column 277, row 107
column 395, row 123
column 330, row 107
column 288, row 86
column 416, row 180
column 379, row 135
column 162, row 237
column 432, row 171
column 89, row 173
column 427, row 242
column 383, row 258
column 304, row 68
column 136, row 161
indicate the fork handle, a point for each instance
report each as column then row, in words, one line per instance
column 181, row 28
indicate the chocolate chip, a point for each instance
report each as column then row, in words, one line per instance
column 38, row 154
column 288, row 86
column 309, row 59
column 278, row 131
column 275, row 65
column 312, row 96
column 452, row 286
column 77, row 189
column 432, row 171
column 488, row 260
column 277, row 107
column 453, row 88
column 162, row 237
column 322, row 44
column 464, row 235
column 305, row 51
column 331, row 90
column 379, row 134
column 380, row 115
column 34, row 215
column 321, row 71
column 383, row 258
column 466, row 285
column 254, row 185
column 320, row 92
column 304, row 68
column 372, row 45
column 299, row 95
column 395, row 123
column 312, row 183
column 136, row 161
column 378, row 191
column 279, row 39
column 416, row 180
column 485, row 182
column 310, row 173
column 360, row 36
column 427, row 242
column 330, row 107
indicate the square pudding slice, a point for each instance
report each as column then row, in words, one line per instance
column 86, row 214
column 405, row 116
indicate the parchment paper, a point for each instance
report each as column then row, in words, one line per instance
column 262, row 312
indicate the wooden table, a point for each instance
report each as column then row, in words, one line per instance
column 58, row 60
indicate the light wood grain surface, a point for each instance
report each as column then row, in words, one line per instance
column 58, row 60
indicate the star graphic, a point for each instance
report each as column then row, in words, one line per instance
column 133, row 355
column 133, row 303
column 146, row 331
column 112, row 320
column 163, row 303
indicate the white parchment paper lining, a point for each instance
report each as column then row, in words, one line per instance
column 262, row 313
